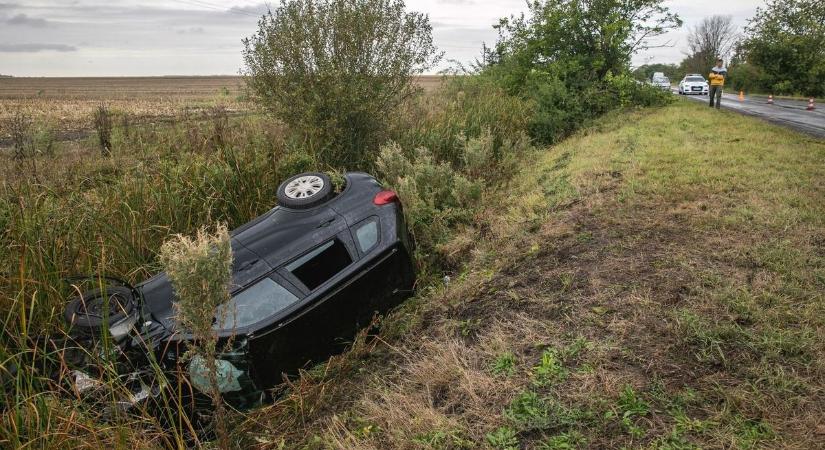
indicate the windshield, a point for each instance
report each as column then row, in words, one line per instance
column 258, row 302
column 695, row 79
column 661, row 80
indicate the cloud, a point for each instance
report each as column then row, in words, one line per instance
column 24, row 20
column 33, row 48
column 191, row 30
column 251, row 10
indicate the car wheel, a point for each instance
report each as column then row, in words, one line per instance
column 90, row 309
column 305, row 190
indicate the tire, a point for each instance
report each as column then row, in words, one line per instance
column 305, row 190
column 87, row 310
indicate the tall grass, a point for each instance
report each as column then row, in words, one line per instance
column 109, row 216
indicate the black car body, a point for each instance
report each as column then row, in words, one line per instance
column 304, row 282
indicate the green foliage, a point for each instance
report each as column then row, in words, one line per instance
column 435, row 196
column 466, row 108
column 505, row 364
column 571, row 59
column 550, row 369
column 564, row 441
column 750, row 432
column 629, row 407
column 334, row 70
column 503, row 438
column 585, row 40
column 530, row 412
column 785, row 42
column 746, row 77
column 440, row 190
column 443, row 439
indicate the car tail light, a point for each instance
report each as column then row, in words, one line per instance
column 385, row 197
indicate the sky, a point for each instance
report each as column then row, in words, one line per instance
column 203, row 37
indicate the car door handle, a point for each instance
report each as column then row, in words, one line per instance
column 326, row 223
column 248, row 264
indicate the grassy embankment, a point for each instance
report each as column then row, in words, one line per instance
column 641, row 284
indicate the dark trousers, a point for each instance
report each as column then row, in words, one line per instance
column 716, row 92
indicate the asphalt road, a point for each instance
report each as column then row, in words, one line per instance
column 789, row 113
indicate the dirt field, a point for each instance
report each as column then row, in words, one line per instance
column 64, row 106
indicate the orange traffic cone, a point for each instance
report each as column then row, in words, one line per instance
column 810, row 104
column 741, row 96
column 770, row 99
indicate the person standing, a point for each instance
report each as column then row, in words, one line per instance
column 717, row 80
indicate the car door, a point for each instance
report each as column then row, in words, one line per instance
column 323, row 322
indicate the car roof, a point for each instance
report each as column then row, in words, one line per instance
column 271, row 239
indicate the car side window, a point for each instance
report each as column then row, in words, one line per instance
column 366, row 233
column 253, row 304
column 320, row 264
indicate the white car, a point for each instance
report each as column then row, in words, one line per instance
column 661, row 82
column 693, row 84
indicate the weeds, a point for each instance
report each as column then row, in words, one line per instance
column 629, row 407
column 503, row 438
column 550, row 369
column 505, row 364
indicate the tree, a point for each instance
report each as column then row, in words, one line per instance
column 714, row 37
column 333, row 70
column 591, row 37
column 572, row 58
column 785, row 42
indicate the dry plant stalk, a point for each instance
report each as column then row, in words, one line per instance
column 20, row 127
column 200, row 270
column 103, row 126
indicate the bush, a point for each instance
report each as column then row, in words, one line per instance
column 200, row 271
column 464, row 108
column 435, row 196
column 334, row 70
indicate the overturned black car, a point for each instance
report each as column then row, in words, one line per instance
column 307, row 275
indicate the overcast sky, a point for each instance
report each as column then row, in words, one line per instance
column 202, row 37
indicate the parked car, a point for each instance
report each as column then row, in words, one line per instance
column 693, row 84
column 661, row 82
column 307, row 275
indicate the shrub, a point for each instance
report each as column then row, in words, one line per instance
column 200, row 271
column 435, row 196
column 334, row 70
column 464, row 108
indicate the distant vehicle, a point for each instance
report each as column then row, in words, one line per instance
column 693, row 84
column 661, row 82
column 306, row 276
